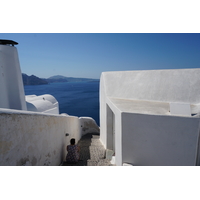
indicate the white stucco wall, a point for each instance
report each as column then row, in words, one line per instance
column 31, row 138
column 103, row 112
column 37, row 138
column 142, row 99
column 11, row 85
column 110, row 125
column 179, row 85
column 159, row 140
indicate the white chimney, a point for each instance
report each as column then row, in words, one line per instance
column 11, row 85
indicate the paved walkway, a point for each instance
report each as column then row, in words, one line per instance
column 92, row 152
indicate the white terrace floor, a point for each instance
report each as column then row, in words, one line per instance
column 141, row 106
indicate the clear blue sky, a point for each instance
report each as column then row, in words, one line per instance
column 87, row 55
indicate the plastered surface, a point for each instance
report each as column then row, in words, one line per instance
column 29, row 138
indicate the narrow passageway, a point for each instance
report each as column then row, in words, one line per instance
column 92, row 152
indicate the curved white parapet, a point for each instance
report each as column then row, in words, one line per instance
column 88, row 125
column 43, row 103
column 11, row 84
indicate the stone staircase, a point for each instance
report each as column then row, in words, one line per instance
column 92, row 152
column 97, row 153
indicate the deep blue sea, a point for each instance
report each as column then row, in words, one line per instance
column 75, row 98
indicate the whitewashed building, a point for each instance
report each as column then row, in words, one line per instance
column 32, row 132
column 151, row 117
column 146, row 118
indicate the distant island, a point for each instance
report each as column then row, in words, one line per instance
column 34, row 80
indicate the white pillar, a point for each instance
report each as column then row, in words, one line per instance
column 11, row 85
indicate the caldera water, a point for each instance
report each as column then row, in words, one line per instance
column 79, row 99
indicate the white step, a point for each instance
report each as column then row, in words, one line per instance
column 109, row 154
column 98, row 153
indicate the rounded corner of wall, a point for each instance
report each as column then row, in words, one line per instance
column 30, row 107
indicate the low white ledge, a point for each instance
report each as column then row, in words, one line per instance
column 180, row 109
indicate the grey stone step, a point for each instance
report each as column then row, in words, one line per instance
column 95, row 136
column 92, row 152
column 96, row 142
column 101, row 162
column 104, row 162
column 96, row 153
column 92, row 163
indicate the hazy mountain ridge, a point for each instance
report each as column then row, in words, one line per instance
column 59, row 78
column 34, row 80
